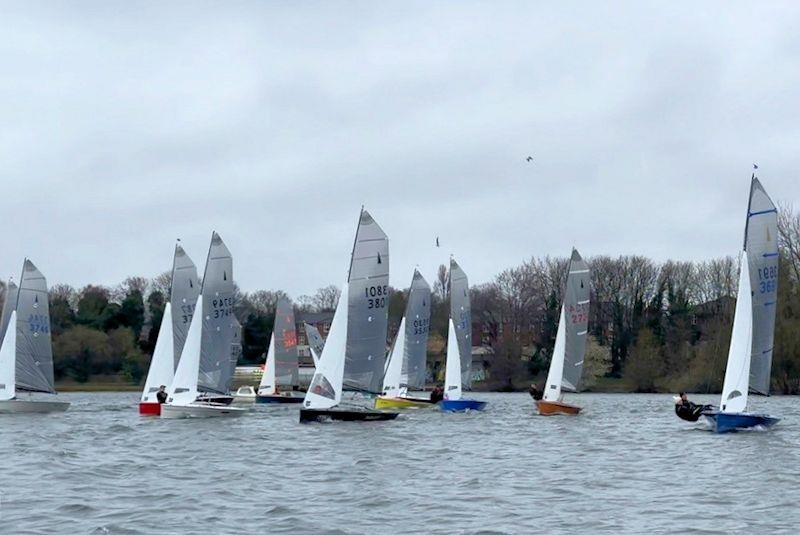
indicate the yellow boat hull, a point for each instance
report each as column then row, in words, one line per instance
column 400, row 403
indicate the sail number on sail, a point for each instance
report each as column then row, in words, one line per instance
column 421, row 326
column 289, row 339
column 579, row 313
column 376, row 296
column 187, row 311
column 222, row 307
column 38, row 323
column 768, row 279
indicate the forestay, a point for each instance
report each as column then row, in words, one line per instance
column 761, row 246
column 218, row 319
column 183, row 296
column 368, row 305
column 462, row 320
column 34, row 347
column 417, row 324
column 285, row 345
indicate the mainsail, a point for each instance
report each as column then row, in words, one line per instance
column 218, row 327
column 368, row 305
column 34, row 348
column 417, row 324
column 9, row 304
column 761, row 247
column 284, row 334
column 462, row 320
column 183, row 297
column 566, row 365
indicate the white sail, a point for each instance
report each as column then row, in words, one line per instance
column 161, row 365
column 183, row 389
column 394, row 370
column 325, row 390
column 737, row 374
column 452, row 370
column 267, row 385
column 8, row 360
column 552, row 388
column 314, row 357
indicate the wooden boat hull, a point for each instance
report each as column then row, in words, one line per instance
column 149, row 408
column 548, row 408
column 343, row 415
column 30, row 406
column 279, row 398
column 383, row 402
column 722, row 422
column 200, row 410
column 462, row 405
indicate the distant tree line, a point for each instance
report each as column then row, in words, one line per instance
column 653, row 326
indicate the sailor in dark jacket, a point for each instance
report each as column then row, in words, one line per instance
column 686, row 410
column 161, row 395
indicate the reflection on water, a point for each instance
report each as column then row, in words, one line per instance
column 627, row 464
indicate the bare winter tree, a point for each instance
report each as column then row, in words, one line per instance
column 326, row 298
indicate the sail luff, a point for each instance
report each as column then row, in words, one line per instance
column 183, row 389
column 452, row 367
column 267, row 384
column 552, row 389
column 392, row 379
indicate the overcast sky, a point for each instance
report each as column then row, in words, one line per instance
column 126, row 125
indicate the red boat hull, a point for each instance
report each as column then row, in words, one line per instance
column 547, row 408
column 150, row 409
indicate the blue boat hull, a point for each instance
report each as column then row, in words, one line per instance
column 723, row 422
column 461, row 405
column 279, row 399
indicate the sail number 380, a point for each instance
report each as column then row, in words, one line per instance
column 376, row 296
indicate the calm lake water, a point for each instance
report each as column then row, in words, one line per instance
column 626, row 465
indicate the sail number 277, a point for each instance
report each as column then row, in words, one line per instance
column 376, row 296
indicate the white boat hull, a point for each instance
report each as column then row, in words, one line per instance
column 200, row 410
column 20, row 406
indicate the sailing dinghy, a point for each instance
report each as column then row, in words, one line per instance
column 172, row 334
column 281, row 377
column 566, row 366
column 750, row 352
column 26, row 354
column 458, row 366
column 205, row 363
column 407, row 368
column 354, row 353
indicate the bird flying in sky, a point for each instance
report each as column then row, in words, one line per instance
column 529, row 159
column 437, row 241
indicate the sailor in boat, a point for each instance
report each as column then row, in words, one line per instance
column 686, row 410
column 535, row 393
column 437, row 394
column 161, row 395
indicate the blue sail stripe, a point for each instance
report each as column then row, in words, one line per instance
column 762, row 212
